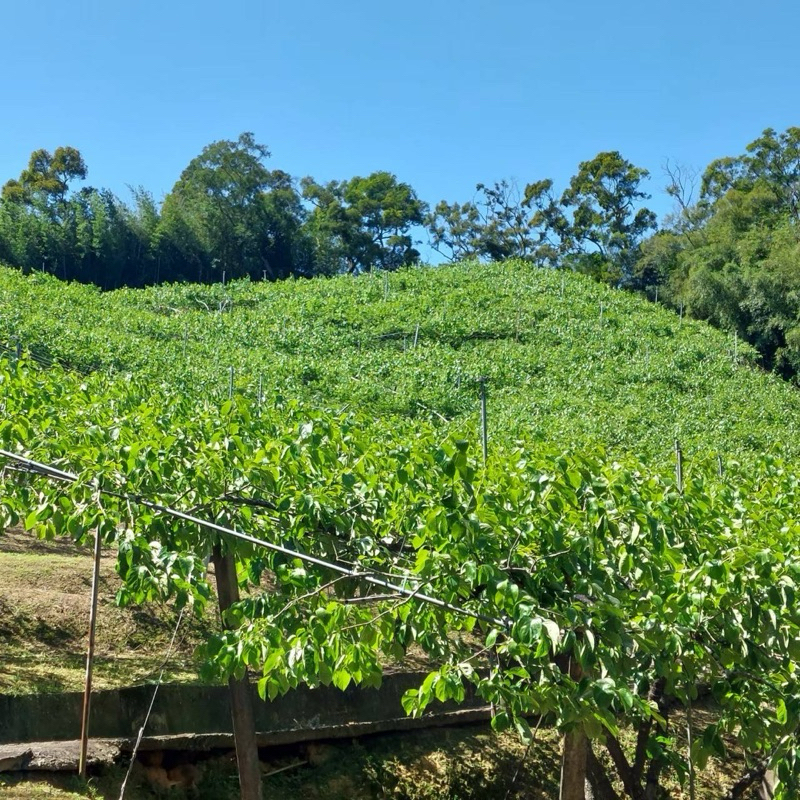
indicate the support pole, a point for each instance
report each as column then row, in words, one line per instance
column 87, row 691
column 573, row 766
column 679, row 466
column 574, row 755
column 689, row 758
column 244, row 726
column 484, row 422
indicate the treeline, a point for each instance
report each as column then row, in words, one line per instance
column 730, row 252
column 228, row 214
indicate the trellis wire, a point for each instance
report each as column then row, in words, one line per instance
column 49, row 471
column 150, row 707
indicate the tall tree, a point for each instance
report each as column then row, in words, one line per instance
column 38, row 212
column 363, row 223
column 598, row 220
column 495, row 225
column 772, row 161
column 46, row 178
column 730, row 257
column 228, row 212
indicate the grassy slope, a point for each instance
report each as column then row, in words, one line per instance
column 44, row 609
column 632, row 380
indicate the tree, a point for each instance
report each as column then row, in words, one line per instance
column 364, row 223
column 46, row 178
column 456, row 230
column 596, row 221
column 494, row 226
column 38, row 213
column 228, row 212
column 771, row 161
column 729, row 257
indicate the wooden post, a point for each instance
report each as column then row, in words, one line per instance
column 689, row 758
column 244, row 726
column 87, row 690
column 573, row 766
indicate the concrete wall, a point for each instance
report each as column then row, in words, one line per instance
column 202, row 713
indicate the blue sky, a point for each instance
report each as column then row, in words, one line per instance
column 444, row 94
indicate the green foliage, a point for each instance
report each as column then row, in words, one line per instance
column 45, row 182
column 228, row 212
column 595, row 227
column 494, row 226
column 364, row 223
column 602, row 563
column 731, row 258
column 559, row 368
column 604, row 226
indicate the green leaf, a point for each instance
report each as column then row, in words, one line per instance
column 341, row 679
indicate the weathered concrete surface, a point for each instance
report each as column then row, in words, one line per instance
column 200, row 715
column 56, row 756
column 14, row 757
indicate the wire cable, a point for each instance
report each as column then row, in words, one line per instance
column 49, row 471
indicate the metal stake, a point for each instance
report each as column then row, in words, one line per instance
column 484, row 423
column 678, row 466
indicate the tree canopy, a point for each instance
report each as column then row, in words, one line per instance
column 727, row 254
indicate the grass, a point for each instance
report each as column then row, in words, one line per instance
column 463, row 763
column 45, row 591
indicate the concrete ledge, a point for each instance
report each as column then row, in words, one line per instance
column 198, row 717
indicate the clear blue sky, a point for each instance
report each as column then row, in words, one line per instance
column 444, row 93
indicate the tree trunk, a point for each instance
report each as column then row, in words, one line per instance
column 574, row 755
column 573, row 766
column 244, row 726
column 599, row 786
